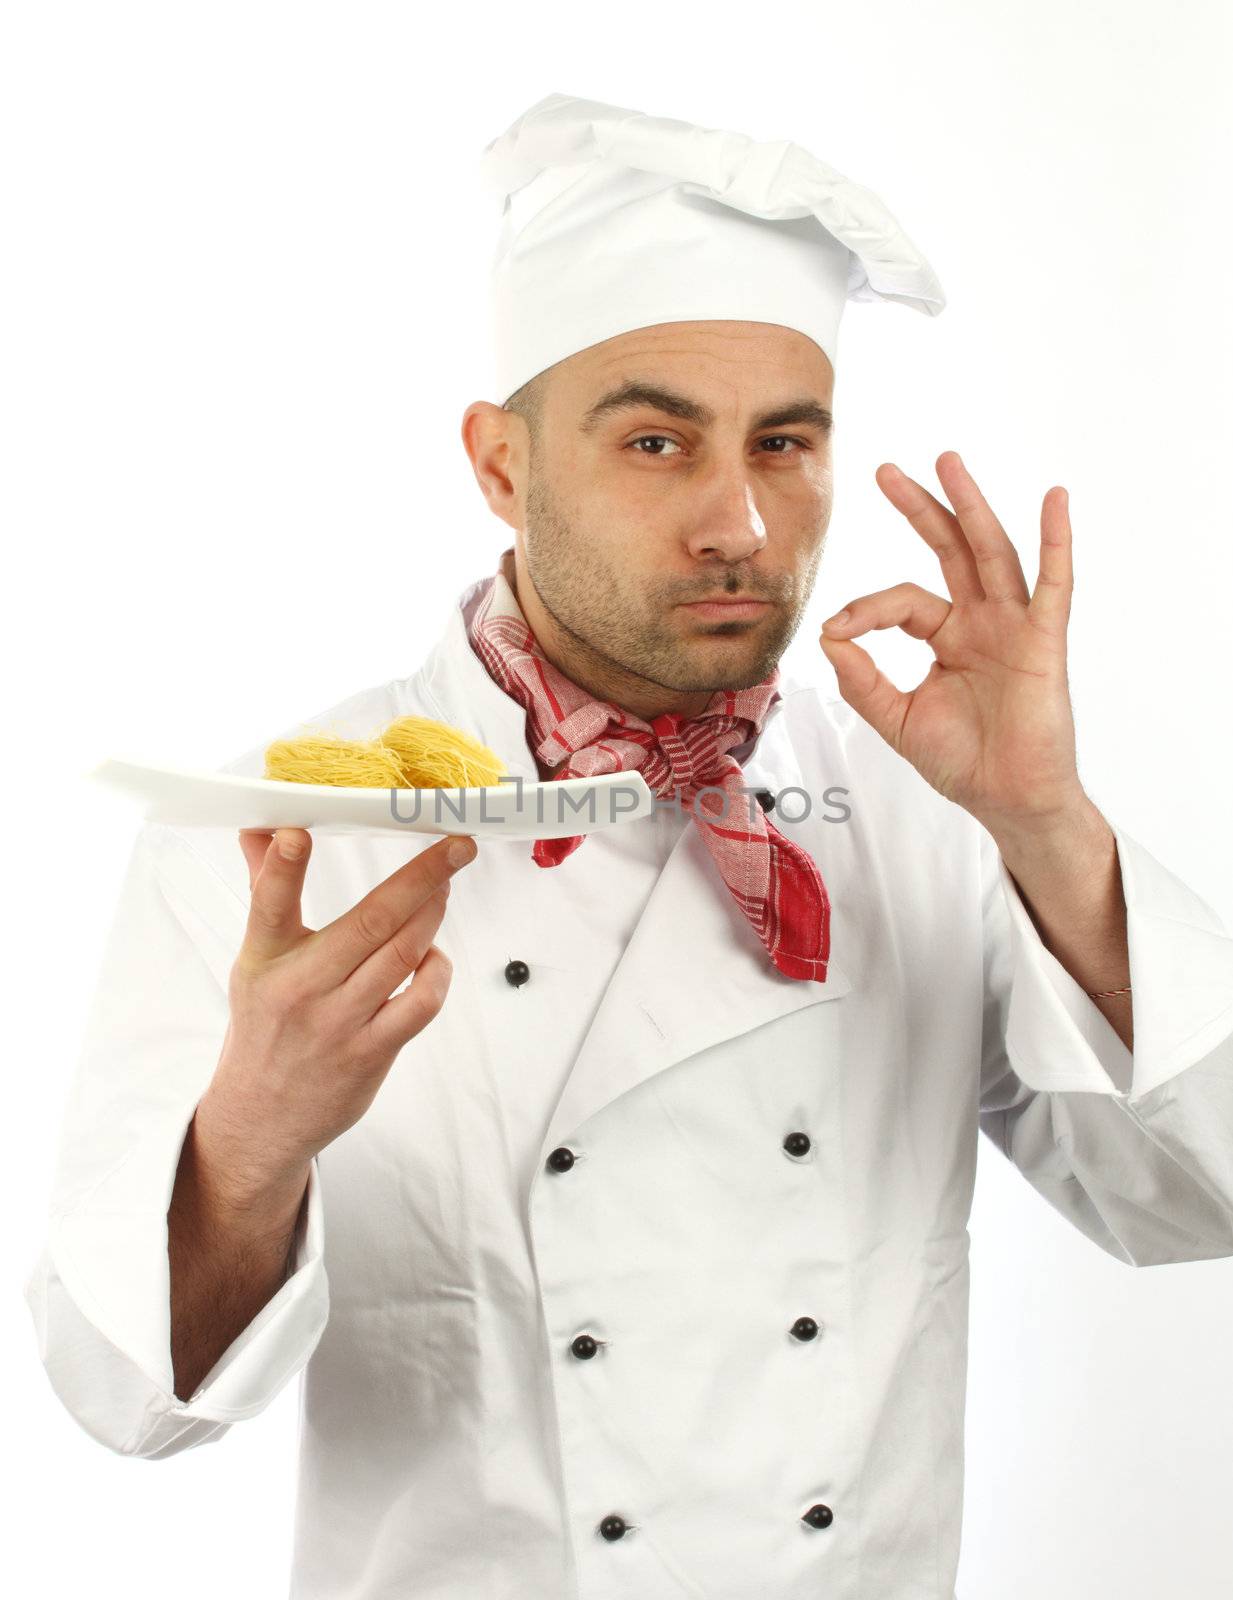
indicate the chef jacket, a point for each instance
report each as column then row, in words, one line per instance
column 646, row 1272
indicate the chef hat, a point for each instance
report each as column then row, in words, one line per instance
column 615, row 220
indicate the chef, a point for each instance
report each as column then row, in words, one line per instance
column 639, row 1267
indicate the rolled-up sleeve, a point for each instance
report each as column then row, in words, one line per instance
column 99, row 1294
column 1134, row 1148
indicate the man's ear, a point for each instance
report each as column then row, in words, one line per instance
column 498, row 445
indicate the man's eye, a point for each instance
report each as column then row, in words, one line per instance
column 655, row 438
column 660, row 438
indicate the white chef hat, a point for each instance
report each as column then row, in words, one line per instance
column 615, row 220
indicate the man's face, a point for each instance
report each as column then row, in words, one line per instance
column 678, row 463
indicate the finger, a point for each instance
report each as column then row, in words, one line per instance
column 274, row 921
column 868, row 690
column 375, row 979
column 409, row 1011
column 1049, row 606
column 254, row 842
column 917, row 611
column 350, row 939
column 997, row 560
column 938, row 527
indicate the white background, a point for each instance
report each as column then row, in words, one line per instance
column 242, row 314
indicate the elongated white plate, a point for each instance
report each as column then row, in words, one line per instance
column 514, row 810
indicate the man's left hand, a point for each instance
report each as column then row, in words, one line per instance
column 990, row 725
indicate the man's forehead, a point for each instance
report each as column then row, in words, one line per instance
column 687, row 370
column 676, row 345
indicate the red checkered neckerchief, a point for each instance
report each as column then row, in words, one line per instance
column 774, row 881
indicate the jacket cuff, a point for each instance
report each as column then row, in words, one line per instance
column 1181, row 978
column 110, row 1251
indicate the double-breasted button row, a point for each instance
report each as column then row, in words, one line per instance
column 562, row 1158
column 615, row 1527
column 585, row 1346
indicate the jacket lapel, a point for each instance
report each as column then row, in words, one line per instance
column 694, row 972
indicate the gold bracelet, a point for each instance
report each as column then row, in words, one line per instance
column 1101, row 993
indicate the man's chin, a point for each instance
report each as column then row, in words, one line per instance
column 718, row 673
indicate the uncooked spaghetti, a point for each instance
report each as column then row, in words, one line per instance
column 411, row 753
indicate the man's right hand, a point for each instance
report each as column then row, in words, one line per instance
column 313, row 1029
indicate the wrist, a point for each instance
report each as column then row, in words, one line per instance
column 1060, row 840
column 239, row 1174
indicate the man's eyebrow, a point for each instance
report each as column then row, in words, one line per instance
column 637, row 394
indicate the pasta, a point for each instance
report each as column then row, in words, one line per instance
column 411, row 753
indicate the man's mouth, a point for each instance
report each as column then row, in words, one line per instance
column 730, row 608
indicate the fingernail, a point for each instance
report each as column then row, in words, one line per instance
column 838, row 620
column 290, row 847
column 460, row 850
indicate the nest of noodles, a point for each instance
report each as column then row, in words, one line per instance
column 412, row 753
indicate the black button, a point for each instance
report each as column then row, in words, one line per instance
column 584, row 1347
column 804, row 1328
column 797, row 1144
column 819, row 1516
column 613, row 1527
column 765, row 799
column 516, row 972
column 561, row 1159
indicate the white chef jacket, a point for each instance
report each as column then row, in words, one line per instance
column 452, row 1442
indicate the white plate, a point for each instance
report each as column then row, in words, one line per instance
column 515, row 810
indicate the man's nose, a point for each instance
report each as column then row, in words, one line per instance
column 730, row 524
